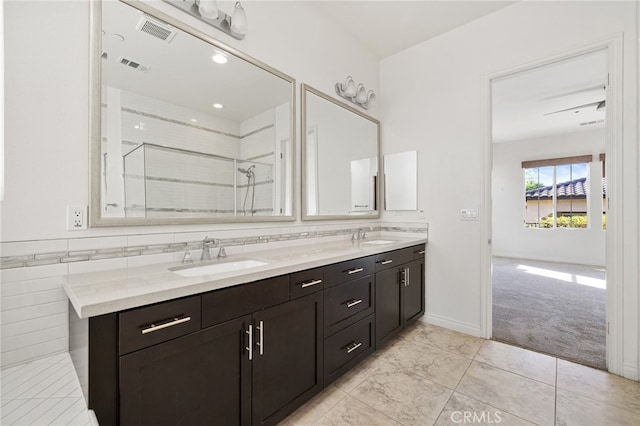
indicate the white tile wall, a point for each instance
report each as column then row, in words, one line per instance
column 34, row 312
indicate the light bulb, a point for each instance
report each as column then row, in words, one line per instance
column 371, row 97
column 239, row 20
column 361, row 94
column 208, row 9
column 349, row 87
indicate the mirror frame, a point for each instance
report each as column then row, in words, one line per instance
column 95, row 125
column 303, row 139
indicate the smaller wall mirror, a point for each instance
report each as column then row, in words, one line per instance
column 401, row 181
column 340, row 159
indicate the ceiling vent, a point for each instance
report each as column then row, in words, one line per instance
column 133, row 64
column 591, row 123
column 156, row 29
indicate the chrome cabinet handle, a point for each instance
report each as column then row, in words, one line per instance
column 355, row 271
column 250, row 347
column 353, row 303
column 353, row 346
column 261, row 342
column 386, row 262
column 310, row 283
column 175, row 321
column 422, row 252
column 406, row 277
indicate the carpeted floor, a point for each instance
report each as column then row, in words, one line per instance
column 553, row 308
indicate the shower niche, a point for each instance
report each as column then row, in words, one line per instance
column 165, row 182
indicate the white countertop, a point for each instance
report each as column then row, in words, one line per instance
column 98, row 293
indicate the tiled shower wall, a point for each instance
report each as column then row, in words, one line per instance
column 34, row 306
column 155, row 177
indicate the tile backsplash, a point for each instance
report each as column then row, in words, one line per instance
column 34, row 306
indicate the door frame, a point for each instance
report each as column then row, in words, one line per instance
column 613, row 45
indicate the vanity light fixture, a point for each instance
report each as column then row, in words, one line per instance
column 217, row 106
column 356, row 94
column 207, row 11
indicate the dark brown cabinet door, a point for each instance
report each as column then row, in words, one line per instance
column 389, row 319
column 413, row 289
column 287, row 357
column 201, row 378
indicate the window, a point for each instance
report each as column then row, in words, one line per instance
column 556, row 192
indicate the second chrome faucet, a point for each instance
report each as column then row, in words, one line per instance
column 207, row 243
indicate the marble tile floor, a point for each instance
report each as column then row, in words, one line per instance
column 43, row 392
column 434, row 376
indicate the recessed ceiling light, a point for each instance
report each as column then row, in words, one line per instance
column 219, row 58
column 193, row 120
column 218, row 106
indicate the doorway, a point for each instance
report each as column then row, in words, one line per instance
column 548, row 204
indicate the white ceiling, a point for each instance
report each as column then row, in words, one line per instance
column 558, row 98
column 388, row 27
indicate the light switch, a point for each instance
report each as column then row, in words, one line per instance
column 468, row 214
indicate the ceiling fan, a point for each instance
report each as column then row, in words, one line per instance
column 598, row 104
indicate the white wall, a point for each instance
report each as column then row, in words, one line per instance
column 509, row 236
column 47, row 147
column 432, row 100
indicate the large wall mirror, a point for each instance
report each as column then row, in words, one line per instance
column 184, row 129
column 340, row 159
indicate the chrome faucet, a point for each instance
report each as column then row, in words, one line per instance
column 358, row 235
column 207, row 243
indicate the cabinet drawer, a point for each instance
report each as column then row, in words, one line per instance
column 347, row 271
column 394, row 258
column 233, row 302
column 306, row 282
column 143, row 327
column 348, row 347
column 419, row 251
column 347, row 303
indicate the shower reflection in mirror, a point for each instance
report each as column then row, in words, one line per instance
column 157, row 183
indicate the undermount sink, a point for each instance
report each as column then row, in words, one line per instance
column 378, row 242
column 217, row 268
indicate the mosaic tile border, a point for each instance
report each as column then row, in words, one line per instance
column 71, row 256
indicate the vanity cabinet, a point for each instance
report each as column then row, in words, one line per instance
column 252, row 353
column 400, row 287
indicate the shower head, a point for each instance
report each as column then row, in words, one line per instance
column 247, row 171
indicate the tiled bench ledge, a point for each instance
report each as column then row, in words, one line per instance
column 44, row 392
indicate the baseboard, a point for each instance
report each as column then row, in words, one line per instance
column 630, row 371
column 452, row 324
column 554, row 259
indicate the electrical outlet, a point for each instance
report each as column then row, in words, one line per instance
column 76, row 218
